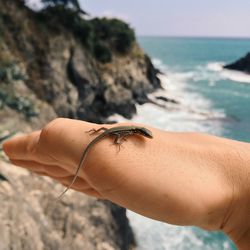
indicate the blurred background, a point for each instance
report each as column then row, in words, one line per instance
column 176, row 65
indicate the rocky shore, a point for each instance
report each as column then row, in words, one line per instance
column 243, row 64
column 47, row 71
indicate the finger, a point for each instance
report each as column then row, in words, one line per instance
column 50, row 170
column 22, row 146
column 26, row 148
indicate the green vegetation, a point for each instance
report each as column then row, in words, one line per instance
column 18, row 103
column 117, row 34
column 101, row 36
column 9, row 71
column 58, row 17
column 102, row 53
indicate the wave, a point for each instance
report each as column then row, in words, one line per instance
column 194, row 112
column 232, row 75
column 236, row 76
column 215, row 66
column 157, row 62
column 159, row 236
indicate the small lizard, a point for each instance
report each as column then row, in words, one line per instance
column 120, row 132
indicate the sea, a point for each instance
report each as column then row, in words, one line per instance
column 210, row 100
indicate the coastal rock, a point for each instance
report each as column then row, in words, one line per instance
column 166, row 99
column 242, row 64
column 32, row 218
column 62, row 72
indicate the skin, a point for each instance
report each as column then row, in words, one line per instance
column 119, row 132
column 178, row 178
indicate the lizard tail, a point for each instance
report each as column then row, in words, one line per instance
column 75, row 176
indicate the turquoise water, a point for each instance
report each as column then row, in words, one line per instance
column 195, row 55
column 212, row 100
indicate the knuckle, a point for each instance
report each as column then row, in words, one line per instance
column 31, row 145
column 49, row 130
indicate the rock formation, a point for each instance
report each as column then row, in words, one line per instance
column 31, row 217
column 242, row 64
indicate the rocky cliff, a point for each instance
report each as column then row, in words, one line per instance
column 242, row 64
column 53, row 63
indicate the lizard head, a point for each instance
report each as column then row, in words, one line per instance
column 145, row 132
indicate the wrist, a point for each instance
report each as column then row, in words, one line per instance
column 237, row 221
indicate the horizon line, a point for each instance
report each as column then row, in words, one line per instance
column 196, row 36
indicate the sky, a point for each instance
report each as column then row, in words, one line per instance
column 215, row 18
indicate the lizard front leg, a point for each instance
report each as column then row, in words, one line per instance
column 119, row 139
column 93, row 131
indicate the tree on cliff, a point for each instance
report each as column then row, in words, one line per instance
column 67, row 3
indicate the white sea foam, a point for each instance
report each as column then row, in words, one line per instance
column 236, row 76
column 157, row 62
column 215, row 66
column 232, row 75
column 155, row 235
column 193, row 113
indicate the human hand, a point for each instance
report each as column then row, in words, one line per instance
column 179, row 178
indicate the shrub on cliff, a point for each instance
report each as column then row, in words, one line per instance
column 102, row 52
column 60, row 17
column 114, row 32
column 101, row 36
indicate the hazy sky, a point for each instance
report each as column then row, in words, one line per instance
column 178, row 17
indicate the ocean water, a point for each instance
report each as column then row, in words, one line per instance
column 197, row 63
column 211, row 100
